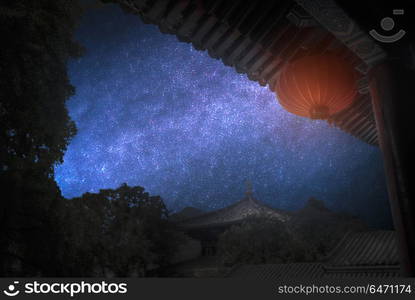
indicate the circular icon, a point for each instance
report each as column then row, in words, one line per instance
column 387, row 23
column 11, row 290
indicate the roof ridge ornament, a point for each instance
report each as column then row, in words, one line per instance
column 248, row 192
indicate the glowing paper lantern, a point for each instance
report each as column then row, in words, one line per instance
column 317, row 86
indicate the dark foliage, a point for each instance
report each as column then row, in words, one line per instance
column 260, row 240
column 121, row 232
column 322, row 229
column 35, row 129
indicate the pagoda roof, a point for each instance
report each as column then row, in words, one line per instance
column 243, row 209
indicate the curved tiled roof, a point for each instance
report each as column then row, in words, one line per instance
column 371, row 248
column 247, row 207
column 279, row 271
column 258, row 38
column 307, row 271
column 385, row 272
column 369, row 254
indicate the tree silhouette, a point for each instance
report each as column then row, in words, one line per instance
column 35, row 129
column 260, row 240
column 121, row 232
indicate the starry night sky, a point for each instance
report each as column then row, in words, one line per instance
column 154, row 112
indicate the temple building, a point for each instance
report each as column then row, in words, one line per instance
column 357, row 252
column 206, row 227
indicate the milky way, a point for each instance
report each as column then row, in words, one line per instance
column 154, row 112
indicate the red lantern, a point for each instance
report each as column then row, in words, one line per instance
column 317, row 86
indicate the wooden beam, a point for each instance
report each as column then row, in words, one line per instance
column 391, row 87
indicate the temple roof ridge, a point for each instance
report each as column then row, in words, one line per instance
column 246, row 207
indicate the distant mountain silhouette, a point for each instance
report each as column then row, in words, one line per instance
column 315, row 211
column 314, row 204
column 321, row 227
